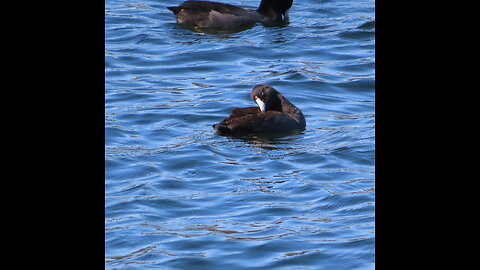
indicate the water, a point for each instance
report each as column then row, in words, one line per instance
column 178, row 196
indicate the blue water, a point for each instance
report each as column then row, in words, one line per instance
column 179, row 196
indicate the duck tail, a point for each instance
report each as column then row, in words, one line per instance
column 175, row 10
column 222, row 128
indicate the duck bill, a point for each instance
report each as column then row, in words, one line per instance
column 261, row 104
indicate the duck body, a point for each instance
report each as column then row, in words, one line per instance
column 274, row 114
column 214, row 16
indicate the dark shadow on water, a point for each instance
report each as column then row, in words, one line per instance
column 194, row 28
column 267, row 141
column 197, row 29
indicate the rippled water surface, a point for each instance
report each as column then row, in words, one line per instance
column 179, row 196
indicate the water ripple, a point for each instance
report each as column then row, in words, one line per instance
column 178, row 196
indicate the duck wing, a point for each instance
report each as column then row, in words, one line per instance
column 207, row 6
column 251, row 120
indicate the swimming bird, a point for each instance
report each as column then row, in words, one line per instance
column 214, row 16
column 273, row 114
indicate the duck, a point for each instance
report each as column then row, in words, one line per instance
column 215, row 16
column 274, row 114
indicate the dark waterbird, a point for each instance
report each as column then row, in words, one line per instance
column 273, row 114
column 214, row 16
